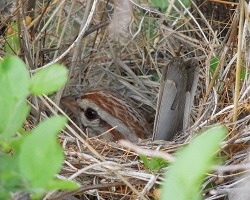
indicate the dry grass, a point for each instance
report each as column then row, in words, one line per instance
column 130, row 63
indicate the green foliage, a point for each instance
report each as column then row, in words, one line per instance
column 184, row 177
column 149, row 26
column 213, row 64
column 45, row 81
column 14, row 89
column 36, row 156
column 153, row 164
column 12, row 45
column 45, row 154
column 163, row 5
column 243, row 73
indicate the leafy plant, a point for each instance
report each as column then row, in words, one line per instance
column 29, row 163
column 163, row 5
column 153, row 164
column 12, row 45
column 213, row 65
column 184, row 177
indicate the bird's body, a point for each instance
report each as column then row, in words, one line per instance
column 109, row 116
column 101, row 110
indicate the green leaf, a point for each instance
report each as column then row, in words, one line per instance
column 62, row 185
column 154, row 164
column 157, row 163
column 145, row 161
column 49, row 80
column 12, row 45
column 14, row 84
column 15, row 113
column 14, row 78
column 5, row 194
column 183, row 179
column 163, row 5
column 243, row 73
column 41, row 156
column 213, row 64
column 10, row 177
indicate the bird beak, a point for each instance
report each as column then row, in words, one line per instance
column 71, row 103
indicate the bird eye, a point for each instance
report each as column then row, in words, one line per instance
column 90, row 114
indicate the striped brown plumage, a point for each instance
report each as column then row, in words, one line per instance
column 101, row 110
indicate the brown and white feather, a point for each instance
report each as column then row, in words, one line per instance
column 112, row 111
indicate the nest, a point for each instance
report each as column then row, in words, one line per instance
column 126, row 53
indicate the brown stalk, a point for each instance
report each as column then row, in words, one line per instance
column 220, row 64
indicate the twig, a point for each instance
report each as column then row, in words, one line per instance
column 147, row 152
